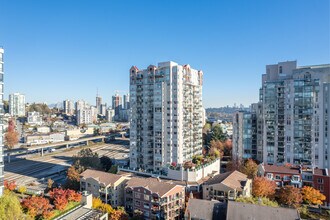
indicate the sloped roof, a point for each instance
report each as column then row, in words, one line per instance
column 321, row 172
column 281, row 169
column 153, row 184
column 102, row 177
column 232, row 179
column 205, row 209
column 245, row 211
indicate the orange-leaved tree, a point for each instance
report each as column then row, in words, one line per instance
column 312, row 196
column 59, row 197
column 10, row 185
column 11, row 137
column 263, row 187
column 290, row 195
column 37, row 207
column 250, row 168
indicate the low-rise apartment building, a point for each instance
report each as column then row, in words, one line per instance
column 321, row 181
column 154, row 198
column 227, row 186
column 282, row 175
column 106, row 186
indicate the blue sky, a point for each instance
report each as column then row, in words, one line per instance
column 66, row 49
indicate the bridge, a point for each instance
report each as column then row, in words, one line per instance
column 53, row 145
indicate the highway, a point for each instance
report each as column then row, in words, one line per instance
column 32, row 169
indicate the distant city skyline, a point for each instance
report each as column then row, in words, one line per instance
column 57, row 50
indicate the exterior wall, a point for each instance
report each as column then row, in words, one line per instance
column 84, row 116
column 77, row 133
column 194, row 175
column 322, row 183
column 221, row 192
column 34, row 118
column 169, row 206
column 112, row 194
column 1, row 122
column 110, row 114
column 68, row 107
column 17, row 105
column 166, row 115
column 295, row 107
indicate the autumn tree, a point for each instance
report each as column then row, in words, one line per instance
column 290, row 195
column 50, row 183
column 118, row 214
column 10, row 185
column 10, row 207
column 22, row 189
column 37, row 207
column 11, row 137
column 250, row 168
column 73, row 196
column 59, row 197
column 228, row 146
column 216, row 148
column 312, row 196
column 262, row 187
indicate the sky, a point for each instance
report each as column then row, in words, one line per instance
column 67, row 49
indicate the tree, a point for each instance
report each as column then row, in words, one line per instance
column 37, row 207
column 312, row 196
column 59, row 197
column 22, row 189
column 113, row 169
column 228, row 146
column 11, row 137
column 10, row 207
column 290, row 195
column 218, row 145
column 73, row 178
column 10, row 185
column 118, row 214
column 106, row 163
column 99, row 205
column 73, row 196
column 50, row 183
column 262, row 187
column 217, row 133
column 88, row 159
column 250, row 168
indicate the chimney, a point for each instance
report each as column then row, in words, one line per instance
column 87, row 199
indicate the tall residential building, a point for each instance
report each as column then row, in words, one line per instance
column 98, row 103
column 80, row 104
column 1, row 122
column 295, row 105
column 68, row 107
column 246, row 140
column 126, row 101
column 117, row 104
column 17, row 105
column 110, row 114
column 166, row 115
column 85, row 116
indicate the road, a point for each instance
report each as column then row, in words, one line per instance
column 32, row 169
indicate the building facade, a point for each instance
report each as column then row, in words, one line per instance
column 106, row 186
column 34, row 118
column 117, row 104
column 17, row 105
column 110, row 114
column 295, row 106
column 1, row 122
column 85, row 116
column 68, row 107
column 154, row 199
column 165, row 115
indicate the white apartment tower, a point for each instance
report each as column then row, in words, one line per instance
column 1, row 122
column 17, row 104
column 68, row 107
column 296, row 114
column 166, row 115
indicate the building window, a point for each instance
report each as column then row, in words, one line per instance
column 270, row 176
column 146, row 197
column 277, row 177
column 137, row 195
column 320, row 180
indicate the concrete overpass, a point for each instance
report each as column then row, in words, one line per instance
column 52, row 145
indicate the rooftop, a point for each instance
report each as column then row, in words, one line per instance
column 211, row 209
column 281, row 169
column 233, row 179
column 153, row 184
column 102, row 177
column 244, row 211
